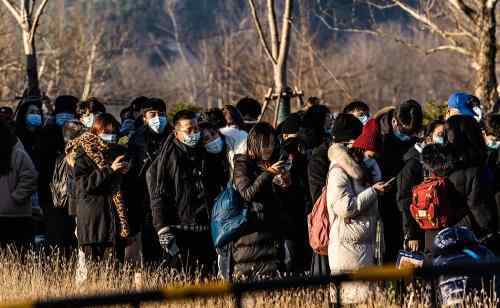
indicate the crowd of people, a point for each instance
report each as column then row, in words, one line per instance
column 142, row 189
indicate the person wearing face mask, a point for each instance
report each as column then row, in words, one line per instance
column 353, row 188
column 359, row 109
column 89, row 110
column 29, row 129
column 181, row 196
column 65, row 108
column 398, row 127
column 102, row 218
column 492, row 138
column 345, row 129
column 460, row 103
column 261, row 250
column 144, row 145
column 411, row 175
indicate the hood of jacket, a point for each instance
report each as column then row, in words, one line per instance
column 412, row 153
column 384, row 119
column 337, row 154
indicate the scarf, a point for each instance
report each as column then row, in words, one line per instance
column 94, row 147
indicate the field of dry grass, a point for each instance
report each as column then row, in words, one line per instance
column 40, row 277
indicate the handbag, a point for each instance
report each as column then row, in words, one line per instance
column 229, row 217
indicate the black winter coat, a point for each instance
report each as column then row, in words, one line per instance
column 471, row 190
column 260, row 251
column 411, row 175
column 494, row 166
column 317, row 170
column 97, row 220
column 181, row 187
column 143, row 148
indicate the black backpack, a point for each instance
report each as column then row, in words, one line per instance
column 60, row 184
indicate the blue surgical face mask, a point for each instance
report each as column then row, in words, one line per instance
column 158, row 124
column 34, row 120
column 438, row 140
column 215, row 146
column 192, row 140
column 109, row 138
column 364, row 119
column 401, row 136
column 88, row 120
column 62, row 118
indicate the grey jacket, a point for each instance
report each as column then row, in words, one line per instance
column 17, row 187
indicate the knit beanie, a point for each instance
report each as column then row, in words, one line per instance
column 346, row 127
column 154, row 104
column 65, row 104
column 368, row 140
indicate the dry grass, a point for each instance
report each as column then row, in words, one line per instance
column 42, row 276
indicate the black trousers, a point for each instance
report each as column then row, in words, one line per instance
column 197, row 252
column 17, row 231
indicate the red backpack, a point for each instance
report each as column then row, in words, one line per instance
column 430, row 205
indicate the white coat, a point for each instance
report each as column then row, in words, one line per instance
column 353, row 214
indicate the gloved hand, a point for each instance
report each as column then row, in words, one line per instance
column 168, row 243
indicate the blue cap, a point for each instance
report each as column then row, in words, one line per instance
column 461, row 102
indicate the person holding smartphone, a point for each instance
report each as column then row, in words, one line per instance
column 353, row 187
column 261, row 250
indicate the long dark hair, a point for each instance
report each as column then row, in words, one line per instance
column 262, row 143
column 233, row 116
column 465, row 140
column 9, row 140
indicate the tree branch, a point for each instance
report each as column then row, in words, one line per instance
column 259, row 31
column 285, row 32
column 273, row 28
column 424, row 20
column 14, row 11
column 461, row 6
column 36, row 19
column 458, row 49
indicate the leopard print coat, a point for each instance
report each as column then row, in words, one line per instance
column 94, row 147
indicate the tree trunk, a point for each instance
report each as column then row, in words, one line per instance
column 280, row 69
column 31, row 65
column 486, row 79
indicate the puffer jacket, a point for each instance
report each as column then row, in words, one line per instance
column 17, row 187
column 411, row 175
column 353, row 212
column 259, row 252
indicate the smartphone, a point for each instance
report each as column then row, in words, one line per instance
column 390, row 182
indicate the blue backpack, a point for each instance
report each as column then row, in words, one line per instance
column 229, row 217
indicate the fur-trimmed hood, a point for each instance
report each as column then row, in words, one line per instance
column 337, row 154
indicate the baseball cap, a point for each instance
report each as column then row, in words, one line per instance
column 463, row 103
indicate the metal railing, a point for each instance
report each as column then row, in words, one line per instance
column 237, row 289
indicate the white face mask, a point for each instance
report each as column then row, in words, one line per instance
column 479, row 113
column 372, row 164
column 109, row 138
column 215, row 146
column 88, row 120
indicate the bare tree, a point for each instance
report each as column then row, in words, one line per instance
column 27, row 15
column 277, row 50
column 464, row 27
